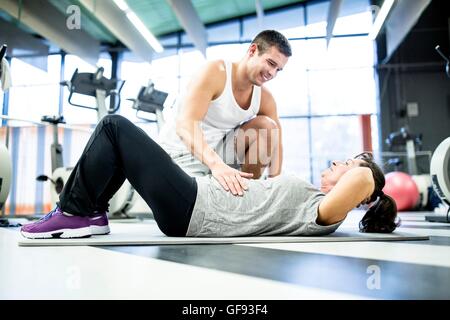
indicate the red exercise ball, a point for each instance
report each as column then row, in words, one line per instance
column 402, row 188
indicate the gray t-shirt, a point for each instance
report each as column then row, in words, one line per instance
column 285, row 205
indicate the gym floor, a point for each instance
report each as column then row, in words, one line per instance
column 341, row 270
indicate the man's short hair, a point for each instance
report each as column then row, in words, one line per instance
column 271, row 38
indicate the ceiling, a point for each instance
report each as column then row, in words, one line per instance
column 104, row 24
column 159, row 18
column 90, row 23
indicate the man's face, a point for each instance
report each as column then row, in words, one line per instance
column 265, row 67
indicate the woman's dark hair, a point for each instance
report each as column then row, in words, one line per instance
column 382, row 214
column 271, row 38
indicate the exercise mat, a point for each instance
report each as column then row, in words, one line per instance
column 123, row 234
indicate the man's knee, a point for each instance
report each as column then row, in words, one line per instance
column 263, row 122
column 267, row 131
column 259, row 129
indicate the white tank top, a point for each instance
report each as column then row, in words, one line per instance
column 224, row 114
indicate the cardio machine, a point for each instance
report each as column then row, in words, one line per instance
column 440, row 178
column 440, row 167
column 5, row 160
column 150, row 100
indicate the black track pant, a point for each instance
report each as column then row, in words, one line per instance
column 117, row 150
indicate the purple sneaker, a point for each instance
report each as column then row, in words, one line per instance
column 99, row 224
column 57, row 225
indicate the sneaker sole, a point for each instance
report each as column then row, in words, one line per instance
column 59, row 234
column 100, row 230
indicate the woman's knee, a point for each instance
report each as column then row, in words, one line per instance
column 115, row 119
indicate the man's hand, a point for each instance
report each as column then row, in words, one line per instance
column 230, row 179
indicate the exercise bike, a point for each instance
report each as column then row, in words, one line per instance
column 97, row 86
column 150, row 100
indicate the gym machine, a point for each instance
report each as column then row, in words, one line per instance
column 5, row 160
column 440, row 166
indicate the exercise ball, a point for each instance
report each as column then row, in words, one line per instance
column 402, row 188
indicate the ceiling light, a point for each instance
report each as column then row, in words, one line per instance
column 139, row 25
column 122, row 5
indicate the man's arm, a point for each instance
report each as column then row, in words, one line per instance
column 352, row 189
column 200, row 92
column 269, row 108
column 204, row 88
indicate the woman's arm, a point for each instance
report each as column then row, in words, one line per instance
column 352, row 188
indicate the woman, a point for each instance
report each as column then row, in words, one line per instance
column 199, row 207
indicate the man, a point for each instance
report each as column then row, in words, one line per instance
column 228, row 120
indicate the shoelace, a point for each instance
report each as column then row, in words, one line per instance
column 49, row 215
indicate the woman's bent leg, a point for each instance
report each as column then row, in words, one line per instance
column 119, row 150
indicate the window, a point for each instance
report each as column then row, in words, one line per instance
column 350, row 52
column 136, row 75
column 296, row 156
column 167, row 77
column 346, row 24
column 342, row 91
column 290, row 22
column 1, row 100
column 231, row 52
column 191, row 61
column 223, row 32
column 355, row 17
column 34, row 92
column 333, row 138
column 290, row 87
column 325, row 89
column 316, row 19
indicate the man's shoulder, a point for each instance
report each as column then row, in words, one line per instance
column 266, row 94
column 209, row 78
column 268, row 104
column 216, row 66
column 213, row 71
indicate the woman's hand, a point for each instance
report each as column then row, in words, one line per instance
column 230, row 179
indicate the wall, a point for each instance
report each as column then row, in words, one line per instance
column 415, row 73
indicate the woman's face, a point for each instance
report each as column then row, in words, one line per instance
column 331, row 176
